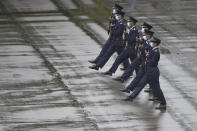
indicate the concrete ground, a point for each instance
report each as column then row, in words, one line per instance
column 46, row 83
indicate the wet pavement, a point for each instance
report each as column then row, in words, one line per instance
column 45, row 81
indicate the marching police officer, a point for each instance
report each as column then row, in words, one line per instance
column 129, row 51
column 141, row 60
column 151, row 76
column 117, row 42
column 152, row 63
column 135, row 64
column 112, row 20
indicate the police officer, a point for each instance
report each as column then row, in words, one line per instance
column 142, row 58
column 135, row 64
column 129, row 52
column 151, row 76
column 112, row 20
column 117, row 42
column 152, row 63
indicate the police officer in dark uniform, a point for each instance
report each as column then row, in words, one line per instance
column 112, row 21
column 117, row 42
column 152, row 63
column 129, row 51
column 151, row 76
column 135, row 64
column 141, row 58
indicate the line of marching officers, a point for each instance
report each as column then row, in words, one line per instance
column 142, row 50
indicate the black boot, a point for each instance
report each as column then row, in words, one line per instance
column 119, row 79
column 123, row 69
column 149, row 90
column 153, row 99
column 107, row 73
column 92, row 61
column 161, row 107
column 95, row 67
column 129, row 98
column 125, row 90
